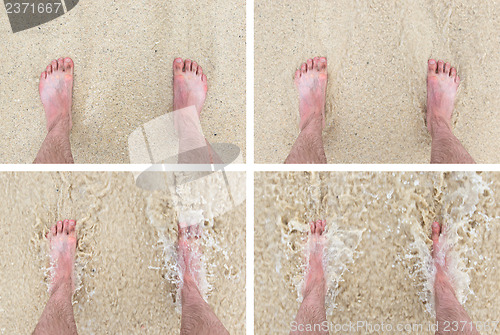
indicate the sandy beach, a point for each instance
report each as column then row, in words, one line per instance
column 377, row 64
column 123, row 53
column 125, row 255
column 378, row 251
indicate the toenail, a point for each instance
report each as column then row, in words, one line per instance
column 178, row 60
column 432, row 61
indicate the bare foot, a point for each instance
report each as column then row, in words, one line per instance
column 62, row 239
column 315, row 275
column 188, row 251
column 311, row 81
column 56, row 91
column 448, row 308
column 442, row 86
column 438, row 254
column 190, row 85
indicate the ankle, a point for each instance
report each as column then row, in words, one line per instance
column 313, row 123
column 61, row 127
column 63, row 286
column 439, row 128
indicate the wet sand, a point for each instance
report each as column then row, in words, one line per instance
column 379, row 244
column 377, row 64
column 123, row 53
column 126, row 239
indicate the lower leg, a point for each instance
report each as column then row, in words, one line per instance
column 447, row 149
column 308, row 148
column 57, row 317
column 56, row 148
column 311, row 316
column 449, row 312
column 197, row 316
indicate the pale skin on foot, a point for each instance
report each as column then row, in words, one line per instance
column 449, row 311
column 310, row 80
column 197, row 316
column 57, row 317
column 442, row 85
column 190, row 89
column 56, row 91
column 312, row 313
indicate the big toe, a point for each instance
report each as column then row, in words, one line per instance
column 178, row 65
column 297, row 74
column 436, row 231
column 68, row 65
column 71, row 227
column 432, row 66
column 53, row 230
column 322, row 64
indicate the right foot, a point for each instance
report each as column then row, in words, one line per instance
column 56, row 90
column 62, row 240
column 190, row 85
column 315, row 273
column 442, row 86
column 311, row 81
column 437, row 253
column 189, row 251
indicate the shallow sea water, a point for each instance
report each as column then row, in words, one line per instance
column 378, row 232
column 126, row 275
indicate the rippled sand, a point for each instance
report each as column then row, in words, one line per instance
column 123, row 53
column 377, row 64
column 126, row 239
column 379, row 244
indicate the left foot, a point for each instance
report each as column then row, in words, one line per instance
column 188, row 251
column 62, row 240
column 311, row 81
column 315, row 273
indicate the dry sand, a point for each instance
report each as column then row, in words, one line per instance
column 126, row 284
column 379, row 244
column 123, row 51
column 377, row 56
